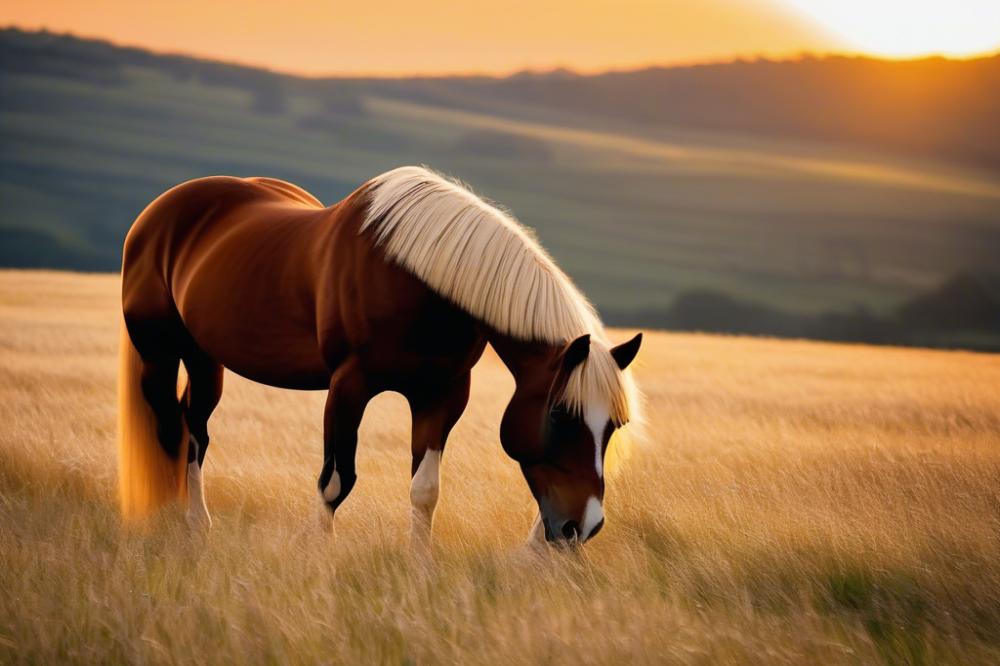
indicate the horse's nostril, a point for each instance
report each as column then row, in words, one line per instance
column 571, row 529
column 597, row 528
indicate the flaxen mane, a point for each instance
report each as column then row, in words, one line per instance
column 485, row 262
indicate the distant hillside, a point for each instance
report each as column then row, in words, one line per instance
column 812, row 189
column 931, row 108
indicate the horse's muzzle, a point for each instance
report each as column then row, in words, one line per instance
column 568, row 532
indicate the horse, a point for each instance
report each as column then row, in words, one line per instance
column 398, row 287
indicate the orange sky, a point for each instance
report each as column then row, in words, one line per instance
column 408, row 36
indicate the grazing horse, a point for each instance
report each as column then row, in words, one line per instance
column 399, row 287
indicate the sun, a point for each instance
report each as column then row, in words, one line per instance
column 908, row 28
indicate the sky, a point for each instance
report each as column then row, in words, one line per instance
column 405, row 37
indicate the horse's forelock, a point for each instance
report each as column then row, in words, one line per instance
column 598, row 381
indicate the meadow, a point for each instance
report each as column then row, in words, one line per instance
column 792, row 502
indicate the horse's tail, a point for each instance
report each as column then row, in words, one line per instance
column 147, row 476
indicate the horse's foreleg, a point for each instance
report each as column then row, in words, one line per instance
column 204, row 389
column 433, row 418
column 345, row 405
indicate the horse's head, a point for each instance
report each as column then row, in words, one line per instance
column 558, row 425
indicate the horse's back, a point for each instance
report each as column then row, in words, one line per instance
column 184, row 205
column 278, row 289
column 290, row 190
column 235, row 260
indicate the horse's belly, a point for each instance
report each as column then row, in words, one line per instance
column 306, row 379
column 256, row 331
column 283, row 358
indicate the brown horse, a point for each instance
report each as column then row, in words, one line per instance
column 399, row 287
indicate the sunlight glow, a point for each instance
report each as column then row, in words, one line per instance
column 908, row 28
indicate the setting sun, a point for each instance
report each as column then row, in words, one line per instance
column 908, row 28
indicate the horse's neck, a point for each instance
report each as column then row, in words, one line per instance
column 523, row 359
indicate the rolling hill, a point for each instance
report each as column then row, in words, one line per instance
column 806, row 190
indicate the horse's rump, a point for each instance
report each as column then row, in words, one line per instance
column 240, row 262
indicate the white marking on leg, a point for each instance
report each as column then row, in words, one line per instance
column 332, row 490
column 596, row 418
column 425, row 484
column 592, row 514
column 324, row 517
column 329, row 494
column 197, row 512
column 424, row 489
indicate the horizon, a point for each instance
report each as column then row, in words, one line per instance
column 321, row 42
column 797, row 57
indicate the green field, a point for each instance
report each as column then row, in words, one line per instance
column 637, row 214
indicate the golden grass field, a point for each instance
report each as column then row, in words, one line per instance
column 794, row 502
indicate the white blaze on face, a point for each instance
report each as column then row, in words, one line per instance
column 332, row 490
column 592, row 514
column 596, row 417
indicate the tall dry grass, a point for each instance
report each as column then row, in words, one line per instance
column 795, row 503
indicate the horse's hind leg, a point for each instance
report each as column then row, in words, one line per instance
column 345, row 405
column 155, row 337
column 434, row 415
column 204, row 389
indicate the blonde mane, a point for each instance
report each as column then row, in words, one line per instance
column 488, row 264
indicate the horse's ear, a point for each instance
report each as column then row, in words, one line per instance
column 576, row 352
column 626, row 351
